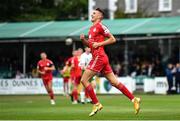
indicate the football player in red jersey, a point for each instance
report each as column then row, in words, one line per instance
column 75, row 75
column 100, row 62
column 45, row 68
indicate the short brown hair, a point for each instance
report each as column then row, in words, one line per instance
column 101, row 11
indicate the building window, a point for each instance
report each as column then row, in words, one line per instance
column 165, row 5
column 131, row 6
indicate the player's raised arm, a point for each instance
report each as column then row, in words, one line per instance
column 84, row 40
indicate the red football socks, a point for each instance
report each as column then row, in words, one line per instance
column 125, row 91
column 86, row 93
column 75, row 95
column 51, row 94
column 91, row 93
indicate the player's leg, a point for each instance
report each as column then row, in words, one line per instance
column 178, row 86
column 48, row 86
column 78, row 85
column 67, row 87
column 70, row 87
column 87, row 75
column 83, row 94
column 74, row 91
column 177, row 83
column 170, row 86
column 93, row 83
column 64, row 85
column 114, row 82
column 51, row 93
column 75, row 95
column 87, row 98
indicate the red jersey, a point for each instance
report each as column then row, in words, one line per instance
column 97, row 33
column 76, row 70
column 41, row 65
column 70, row 63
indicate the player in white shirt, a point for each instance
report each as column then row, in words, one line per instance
column 85, row 58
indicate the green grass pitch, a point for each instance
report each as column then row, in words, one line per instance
column 116, row 107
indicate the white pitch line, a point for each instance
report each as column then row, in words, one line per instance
column 77, row 31
column 36, row 29
column 137, row 25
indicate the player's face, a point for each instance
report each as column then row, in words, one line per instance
column 75, row 53
column 96, row 15
column 88, row 49
column 43, row 56
column 80, row 51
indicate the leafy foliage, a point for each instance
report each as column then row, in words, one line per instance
column 42, row 10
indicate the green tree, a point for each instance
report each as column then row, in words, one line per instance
column 72, row 9
column 42, row 10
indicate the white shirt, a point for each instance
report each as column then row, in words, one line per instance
column 85, row 59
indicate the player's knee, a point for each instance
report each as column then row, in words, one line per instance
column 115, row 84
column 83, row 80
column 85, row 83
column 49, row 90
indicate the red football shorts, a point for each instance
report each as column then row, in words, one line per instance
column 47, row 81
column 66, row 79
column 100, row 64
column 76, row 80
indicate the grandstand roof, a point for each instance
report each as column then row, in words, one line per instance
column 62, row 29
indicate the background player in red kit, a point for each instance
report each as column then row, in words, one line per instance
column 75, row 75
column 100, row 62
column 45, row 68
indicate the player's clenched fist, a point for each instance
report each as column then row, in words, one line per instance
column 96, row 45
